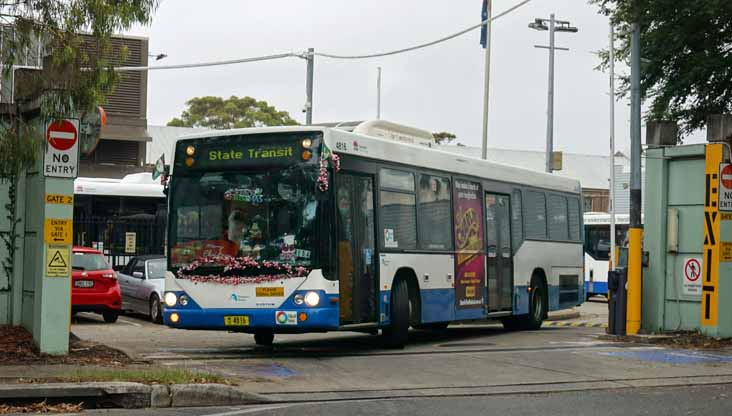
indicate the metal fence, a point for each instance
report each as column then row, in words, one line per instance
column 121, row 238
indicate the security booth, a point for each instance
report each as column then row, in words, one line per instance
column 688, row 235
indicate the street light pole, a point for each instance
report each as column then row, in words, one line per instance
column 550, row 100
column 310, row 57
column 552, row 25
column 378, row 95
column 612, row 147
column 487, row 76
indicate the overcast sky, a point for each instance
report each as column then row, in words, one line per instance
column 438, row 88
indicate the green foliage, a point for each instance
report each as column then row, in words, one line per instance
column 77, row 74
column 686, row 55
column 234, row 112
column 444, row 137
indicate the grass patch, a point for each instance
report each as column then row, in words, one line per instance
column 145, row 376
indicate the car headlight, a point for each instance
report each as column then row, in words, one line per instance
column 312, row 298
column 170, row 299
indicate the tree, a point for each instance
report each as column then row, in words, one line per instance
column 231, row 113
column 686, row 56
column 444, row 137
column 73, row 81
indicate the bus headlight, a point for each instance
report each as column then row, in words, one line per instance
column 170, row 299
column 299, row 299
column 190, row 150
column 183, row 300
column 312, row 299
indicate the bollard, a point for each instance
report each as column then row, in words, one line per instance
column 618, row 303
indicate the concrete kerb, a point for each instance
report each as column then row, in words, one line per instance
column 563, row 315
column 132, row 395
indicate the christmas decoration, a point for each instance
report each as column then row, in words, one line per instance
column 240, row 270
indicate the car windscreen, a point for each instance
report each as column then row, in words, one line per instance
column 89, row 262
column 156, row 268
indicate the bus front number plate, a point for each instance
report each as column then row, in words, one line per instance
column 236, row 320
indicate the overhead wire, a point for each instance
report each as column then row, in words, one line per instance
column 321, row 54
column 424, row 45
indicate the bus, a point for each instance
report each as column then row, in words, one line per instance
column 362, row 227
column 597, row 249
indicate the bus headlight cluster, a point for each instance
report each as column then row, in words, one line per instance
column 312, row 299
column 183, row 300
column 170, row 299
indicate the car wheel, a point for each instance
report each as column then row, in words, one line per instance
column 156, row 310
column 110, row 317
column 264, row 338
column 397, row 333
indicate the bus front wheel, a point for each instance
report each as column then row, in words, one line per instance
column 397, row 333
column 264, row 338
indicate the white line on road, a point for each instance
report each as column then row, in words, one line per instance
column 255, row 410
column 130, row 322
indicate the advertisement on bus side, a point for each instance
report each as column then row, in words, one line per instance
column 470, row 271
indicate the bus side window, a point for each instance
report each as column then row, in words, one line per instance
column 574, row 219
column 434, row 213
column 397, row 200
column 535, row 215
column 517, row 225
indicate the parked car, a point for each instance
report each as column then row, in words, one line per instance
column 142, row 282
column 95, row 287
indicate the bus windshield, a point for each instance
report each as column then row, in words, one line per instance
column 266, row 216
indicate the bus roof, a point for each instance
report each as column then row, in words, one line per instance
column 136, row 185
column 419, row 155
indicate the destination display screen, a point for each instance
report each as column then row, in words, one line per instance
column 241, row 151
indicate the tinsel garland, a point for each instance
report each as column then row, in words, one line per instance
column 323, row 184
column 240, row 264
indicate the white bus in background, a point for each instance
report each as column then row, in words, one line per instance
column 362, row 227
column 597, row 248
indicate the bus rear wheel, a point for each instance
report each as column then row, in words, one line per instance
column 395, row 336
column 264, row 338
column 537, row 310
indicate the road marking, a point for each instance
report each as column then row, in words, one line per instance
column 259, row 409
column 582, row 324
column 130, row 322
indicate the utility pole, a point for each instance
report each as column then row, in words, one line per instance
column 553, row 26
column 612, row 147
column 550, row 101
column 487, row 81
column 635, row 250
column 378, row 94
column 310, row 57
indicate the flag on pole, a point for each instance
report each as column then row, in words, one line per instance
column 483, row 17
column 159, row 168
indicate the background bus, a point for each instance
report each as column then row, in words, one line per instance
column 597, row 248
column 269, row 232
column 110, row 213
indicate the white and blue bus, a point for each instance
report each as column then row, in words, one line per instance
column 597, row 249
column 362, row 227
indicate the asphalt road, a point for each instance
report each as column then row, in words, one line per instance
column 704, row 400
column 465, row 369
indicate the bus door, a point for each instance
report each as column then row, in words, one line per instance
column 499, row 256
column 356, row 254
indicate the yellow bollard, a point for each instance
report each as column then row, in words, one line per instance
column 635, row 266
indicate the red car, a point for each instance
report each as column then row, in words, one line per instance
column 94, row 287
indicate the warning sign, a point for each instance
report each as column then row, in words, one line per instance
column 130, row 243
column 725, row 251
column 725, row 187
column 692, row 277
column 57, row 261
column 57, row 231
column 62, row 149
column 59, row 199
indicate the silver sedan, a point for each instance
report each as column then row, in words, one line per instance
column 142, row 283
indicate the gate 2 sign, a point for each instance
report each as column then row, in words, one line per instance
column 62, row 149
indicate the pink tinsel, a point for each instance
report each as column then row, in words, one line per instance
column 239, row 264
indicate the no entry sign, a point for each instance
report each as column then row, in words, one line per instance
column 62, row 149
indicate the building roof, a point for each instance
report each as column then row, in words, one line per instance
column 592, row 171
column 163, row 141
